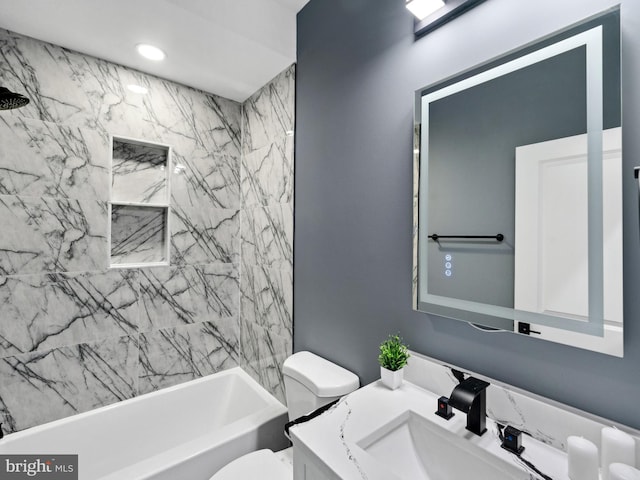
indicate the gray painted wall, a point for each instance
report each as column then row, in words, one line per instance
column 358, row 66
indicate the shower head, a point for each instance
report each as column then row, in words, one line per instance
column 10, row 100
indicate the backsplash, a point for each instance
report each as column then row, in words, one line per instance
column 76, row 335
column 543, row 419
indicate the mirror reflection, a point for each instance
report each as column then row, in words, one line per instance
column 519, row 205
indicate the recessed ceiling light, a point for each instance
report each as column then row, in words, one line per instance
column 150, row 52
column 138, row 89
column 423, row 8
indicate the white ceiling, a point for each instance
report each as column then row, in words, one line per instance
column 227, row 47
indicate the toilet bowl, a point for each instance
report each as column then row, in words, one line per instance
column 310, row 382
column 262, row 464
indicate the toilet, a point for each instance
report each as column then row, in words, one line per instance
column 310, row 382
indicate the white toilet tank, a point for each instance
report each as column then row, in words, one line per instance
column 311, row 381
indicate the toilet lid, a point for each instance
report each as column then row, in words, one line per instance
column 262, row 464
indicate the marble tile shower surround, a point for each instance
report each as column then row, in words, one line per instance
column 42, row 386
column 266, row 231
column 68, row 88
column 43, row 312
column 76, row 335
column 176, row 296
column 48, row 160
column 268, row 115
column 268, row 177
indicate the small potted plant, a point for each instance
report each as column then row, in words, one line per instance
column 393, row 357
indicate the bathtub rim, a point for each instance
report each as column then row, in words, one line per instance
column 272, row 403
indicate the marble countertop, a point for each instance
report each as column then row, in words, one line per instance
column 333, row 437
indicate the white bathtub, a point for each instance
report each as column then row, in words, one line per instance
column 186, row 432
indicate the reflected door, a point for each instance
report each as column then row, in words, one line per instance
column 551, row 254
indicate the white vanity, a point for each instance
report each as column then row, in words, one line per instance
column 377, row 433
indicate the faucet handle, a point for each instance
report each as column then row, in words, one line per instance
column 512, row 440
column 444, row 409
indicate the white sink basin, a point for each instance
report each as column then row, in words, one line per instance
column 414, row 448
column 381, row 434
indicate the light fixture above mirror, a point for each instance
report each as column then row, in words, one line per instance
column 423, row 8
column 431, row 14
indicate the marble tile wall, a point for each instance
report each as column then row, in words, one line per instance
column 76, row 335
column 266, row 231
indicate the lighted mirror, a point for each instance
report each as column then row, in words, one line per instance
column 518, row 191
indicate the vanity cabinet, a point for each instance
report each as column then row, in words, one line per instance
column 305, row 468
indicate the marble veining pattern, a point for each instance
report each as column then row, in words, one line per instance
column 199, row 178
column 268, row 174
column 509, row 406
column 350, row 421
column 347, row 450
column 75, row 335
column 267, row 298
column 66, row 87
column 42, row 235
column 41, row 159
column 498, row 400
column 269, row 113
column 219, row 290
column 43, row 386
column 175, row 355
column 138, row 173
column 182, row 114
column 44, row 312
column 266, row 231
column 263, row 353
column 174, row 296
column 204, row 236
column 267, row 236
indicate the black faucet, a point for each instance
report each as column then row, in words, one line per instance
column 470, row 396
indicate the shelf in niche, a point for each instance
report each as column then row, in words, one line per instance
column 139, row 207
column 139, row 204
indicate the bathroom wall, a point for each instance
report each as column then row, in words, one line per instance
column 75, row 334
column 358, row 68
column 266, row 230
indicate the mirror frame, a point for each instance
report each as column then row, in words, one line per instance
column 590, row 34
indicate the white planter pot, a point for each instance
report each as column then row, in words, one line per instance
column 391, row 379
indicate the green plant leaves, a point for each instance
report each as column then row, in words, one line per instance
column 393, row 353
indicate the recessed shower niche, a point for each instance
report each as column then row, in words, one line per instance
column 139, row 207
